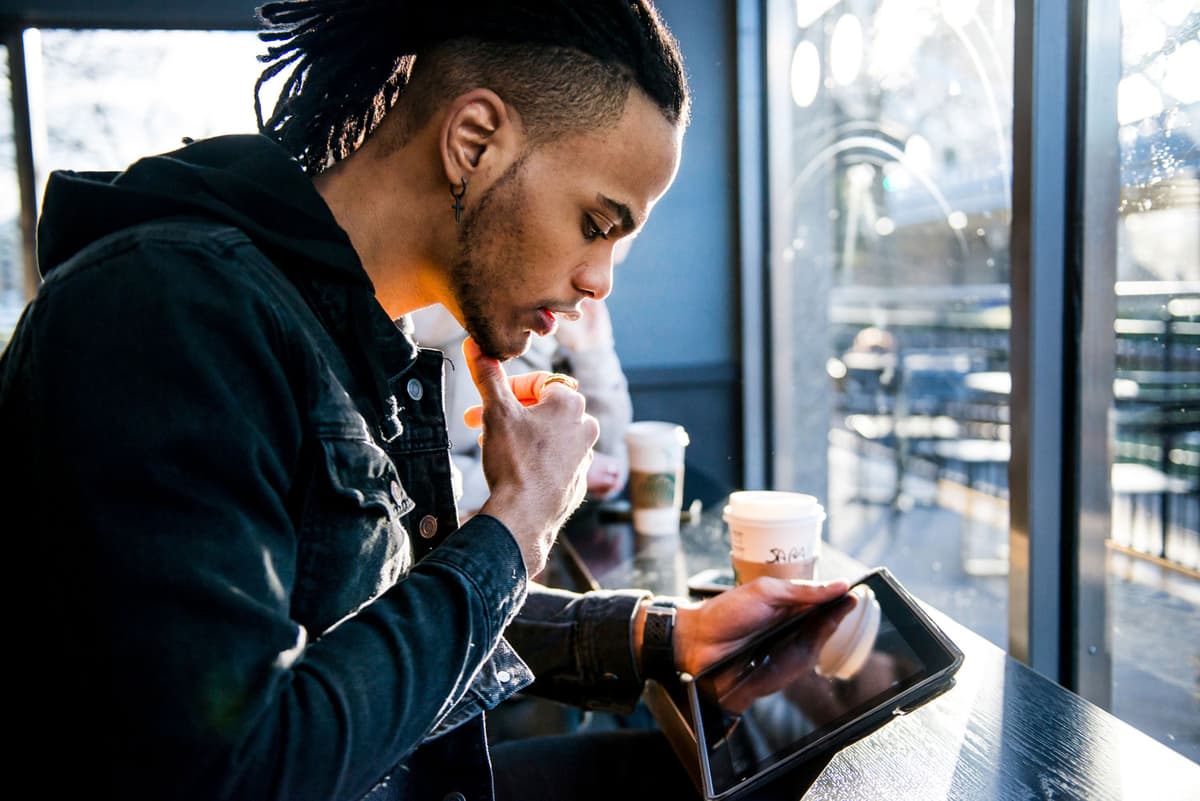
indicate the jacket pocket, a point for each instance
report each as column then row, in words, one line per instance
column 353, row 545
column 359, row 470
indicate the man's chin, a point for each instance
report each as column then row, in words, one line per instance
column 509, row 349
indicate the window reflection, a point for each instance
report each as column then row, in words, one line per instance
column 1154, row 580
column 890, row 148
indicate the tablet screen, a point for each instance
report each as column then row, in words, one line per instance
column 820, row 672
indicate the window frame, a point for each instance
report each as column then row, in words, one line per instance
column 1089, row 667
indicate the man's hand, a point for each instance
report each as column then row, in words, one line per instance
column 535, row 457
column 707, row 631
column 786, row 664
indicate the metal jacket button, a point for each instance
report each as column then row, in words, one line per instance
column 428, row 526
column 455, row 797
column 415, row 390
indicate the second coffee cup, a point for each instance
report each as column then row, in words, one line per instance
column 774, row 533
column 656, row 451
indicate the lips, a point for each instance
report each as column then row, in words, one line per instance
column 546, row 322
column 548, row 318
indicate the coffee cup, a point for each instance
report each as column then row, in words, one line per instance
column 656, row 475
column 774, row 533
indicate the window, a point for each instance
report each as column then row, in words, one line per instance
column 889, row 148
column 114, row 96
column 106, row 98
column 1154, row 560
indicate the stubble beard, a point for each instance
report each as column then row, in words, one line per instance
column 470, row 300
column 470, row 270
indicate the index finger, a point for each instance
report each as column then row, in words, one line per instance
column 487, row 373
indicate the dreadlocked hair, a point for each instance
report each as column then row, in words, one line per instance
column 564, row 65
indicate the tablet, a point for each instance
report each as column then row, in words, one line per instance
column 816, row 683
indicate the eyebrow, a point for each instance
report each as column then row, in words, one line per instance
column 620, row 210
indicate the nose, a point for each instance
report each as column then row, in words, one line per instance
column 595, row 279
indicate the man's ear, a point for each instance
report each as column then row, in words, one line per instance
column 479, row 138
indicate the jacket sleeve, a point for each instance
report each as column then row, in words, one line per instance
column 580, row 646
column 159, row 390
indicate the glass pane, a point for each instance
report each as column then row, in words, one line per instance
column 12, row 265
column 1154, row 569
column 113, row 96
column 890, row 156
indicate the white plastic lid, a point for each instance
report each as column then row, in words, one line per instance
column 845, row 653
column 657, row 431
column 772, row 505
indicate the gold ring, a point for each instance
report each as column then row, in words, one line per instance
column 561, row 378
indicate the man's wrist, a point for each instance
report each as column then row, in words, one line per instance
column 656, row 658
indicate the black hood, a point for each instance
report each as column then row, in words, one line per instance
column 247, row 181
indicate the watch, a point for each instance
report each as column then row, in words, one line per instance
column 658, row 649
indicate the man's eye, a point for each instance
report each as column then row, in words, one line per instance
column 591, row 231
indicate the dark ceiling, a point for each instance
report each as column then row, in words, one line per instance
column 197, row 14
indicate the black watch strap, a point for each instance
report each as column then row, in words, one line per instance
column 658, row 649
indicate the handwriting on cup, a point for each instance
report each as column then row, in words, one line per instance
column 783, row 556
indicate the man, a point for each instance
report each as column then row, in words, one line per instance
column 228, row 469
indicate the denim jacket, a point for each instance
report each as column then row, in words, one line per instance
column 235, row 470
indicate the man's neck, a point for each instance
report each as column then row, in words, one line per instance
column 385, row 204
